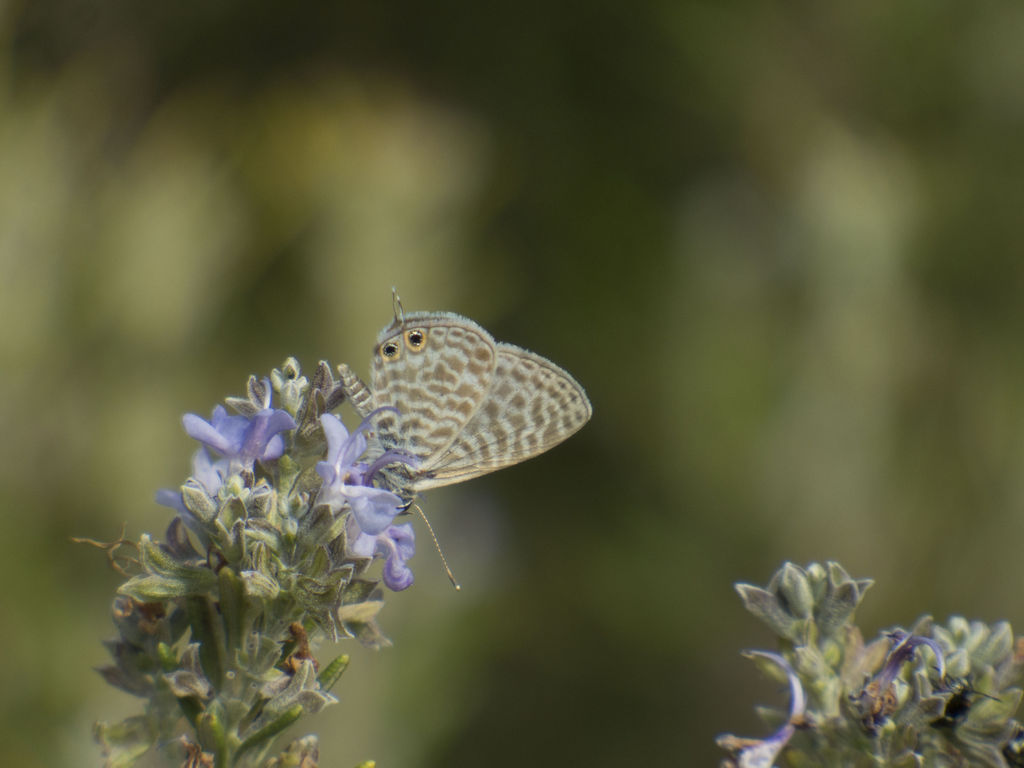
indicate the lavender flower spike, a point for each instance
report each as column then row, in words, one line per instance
column 761, row 753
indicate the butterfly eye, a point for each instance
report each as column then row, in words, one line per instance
column 389, row 350
column 416, row 339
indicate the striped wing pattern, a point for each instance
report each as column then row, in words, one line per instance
column 532, row 406
column 436, row 389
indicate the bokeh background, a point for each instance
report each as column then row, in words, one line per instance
column 780, row 244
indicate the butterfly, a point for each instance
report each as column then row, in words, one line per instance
column 445, row 393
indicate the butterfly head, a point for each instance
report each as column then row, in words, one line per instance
column 410, row 334
column 409, row 341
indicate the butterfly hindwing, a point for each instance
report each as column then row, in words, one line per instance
column 532, row 405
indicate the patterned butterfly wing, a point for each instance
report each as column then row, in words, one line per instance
column 436, row 369
column 532, row 405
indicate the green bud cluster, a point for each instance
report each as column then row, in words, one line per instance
column 934, row 695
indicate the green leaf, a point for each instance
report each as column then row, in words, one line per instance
column 320, row 565
column 233, row 606
column 198, row 502
column 369, row 634
column 359, row 590
column 301, row 753
column 837, row 609
column 166, row 577
column 168, row 657
column 270, row 730
column 184, row 684
column 320, row 526
column 360, row 612
column 259, row 655
column 997, row 646
column 766, row 606
column 330, row 674
column 259, row 531
column 308, row 481
column 212, row 735
column 234, row 544
column 795, row 588
column 262, row 501
column 208, row 631
column 151, row 589
column 990, row 711
column 231, row 512
column 259, row 586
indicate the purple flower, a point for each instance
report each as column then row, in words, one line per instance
column 902, row 651
column 239, row 439
column 761, row 753
column 397, row 544
column 347, row 481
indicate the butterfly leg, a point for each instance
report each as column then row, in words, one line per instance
column 356, row 391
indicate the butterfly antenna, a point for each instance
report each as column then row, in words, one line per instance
column 399, row 317
column 437, row 544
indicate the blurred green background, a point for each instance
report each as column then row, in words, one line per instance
column 780, row 244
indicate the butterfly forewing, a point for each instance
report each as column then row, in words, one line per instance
column 531, row 406
column 438, row 374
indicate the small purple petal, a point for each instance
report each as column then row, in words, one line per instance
column 208, row 473
column 902, row 651
column 364, row 545
column 240, row 439
column 352, row 449
column 326, row 471
column 373, row 508
column 263, row 431
column 342, row 448
column 205, row 433
column 274, row 448
column 233, row 428
column 336, row 435
column 345, row 480
column 761, row 753
column 338, row 450
column 358, row 446
column 396, row 545
column 405, row 539
column 397, row 575
column 168, row 498
column 399, row 542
